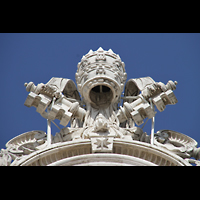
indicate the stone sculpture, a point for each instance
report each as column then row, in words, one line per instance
column 96, row 114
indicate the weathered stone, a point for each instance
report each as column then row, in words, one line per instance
column 101, row 131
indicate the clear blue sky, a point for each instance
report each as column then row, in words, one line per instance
column 37, row 57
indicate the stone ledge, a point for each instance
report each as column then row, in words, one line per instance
column 71, row 151
column 102, row 159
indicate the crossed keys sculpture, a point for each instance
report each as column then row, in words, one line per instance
column 99, row 111
column 100, row 79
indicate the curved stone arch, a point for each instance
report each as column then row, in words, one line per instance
column 55, row 152
column 141, row 152
column 103, row 159
column 148, row 152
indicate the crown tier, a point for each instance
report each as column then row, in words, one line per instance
column 101, row 68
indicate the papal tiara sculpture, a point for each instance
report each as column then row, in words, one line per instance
column 101, row 70
column 98, row 121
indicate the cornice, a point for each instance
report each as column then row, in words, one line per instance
column 58, row 152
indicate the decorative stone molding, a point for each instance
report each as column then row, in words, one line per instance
column 103, row 159
column 102, row 144
column 103, row 130
column 146, row 153
column 178, row 143
column 55, row 152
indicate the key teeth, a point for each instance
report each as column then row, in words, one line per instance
column 164, row 99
